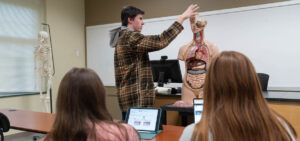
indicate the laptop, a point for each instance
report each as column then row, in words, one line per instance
column 198, row 109
column 145, row 120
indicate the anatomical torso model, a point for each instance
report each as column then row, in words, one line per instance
column 197, row 56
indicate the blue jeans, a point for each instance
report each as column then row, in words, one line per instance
column 124, row 115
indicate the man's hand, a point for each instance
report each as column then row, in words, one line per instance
column 190, row 11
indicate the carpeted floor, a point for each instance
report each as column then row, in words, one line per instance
column 24, row 136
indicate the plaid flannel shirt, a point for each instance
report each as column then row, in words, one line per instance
column 133, row 74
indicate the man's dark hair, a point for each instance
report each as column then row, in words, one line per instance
column 129, row 12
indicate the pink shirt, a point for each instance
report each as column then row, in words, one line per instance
column 110, row 132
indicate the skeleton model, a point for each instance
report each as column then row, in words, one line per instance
column 197, row 56
column 44, row 65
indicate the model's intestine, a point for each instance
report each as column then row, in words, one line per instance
column 196, row 57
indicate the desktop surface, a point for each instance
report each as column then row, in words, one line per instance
column 268, row 95
column 29, row 121
column 42, row 123
column 282, row 96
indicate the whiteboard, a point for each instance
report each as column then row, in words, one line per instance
column 268, row 34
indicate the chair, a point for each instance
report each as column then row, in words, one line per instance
column 264, row 80
column 4, row 125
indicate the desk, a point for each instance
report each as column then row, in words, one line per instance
column 42, row 123
column 183, row 112
column 285, row 103
column 282, row 96
column 29, row 120
column 169, row 133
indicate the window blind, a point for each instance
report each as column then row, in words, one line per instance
column 20, row 22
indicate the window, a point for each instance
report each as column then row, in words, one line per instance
column 20, row 22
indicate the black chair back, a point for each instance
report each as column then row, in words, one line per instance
column 4, row 125
column 264, row 80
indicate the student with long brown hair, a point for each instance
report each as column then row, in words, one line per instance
column 234, row 106
column 81, row 113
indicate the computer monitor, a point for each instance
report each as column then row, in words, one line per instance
column 166, row 71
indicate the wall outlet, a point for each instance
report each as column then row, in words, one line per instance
column 77, row 52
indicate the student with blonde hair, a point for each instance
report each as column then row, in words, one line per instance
column 234, row 106
column 81, row 113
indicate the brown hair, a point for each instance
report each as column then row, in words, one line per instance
column 80, row 104
column 234, row 106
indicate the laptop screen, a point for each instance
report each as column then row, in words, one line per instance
column 198, row 109
column 143, row 119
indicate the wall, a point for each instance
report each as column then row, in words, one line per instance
column 108, row 11
column 66, row 18
column 30, row 102
column 112, row 103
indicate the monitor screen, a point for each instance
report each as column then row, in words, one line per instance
column 166, row 71
column 198, row 109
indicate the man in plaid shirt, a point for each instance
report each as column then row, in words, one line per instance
column 133, row 74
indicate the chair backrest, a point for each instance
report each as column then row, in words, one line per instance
column 264, row 80
column 4, row 123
